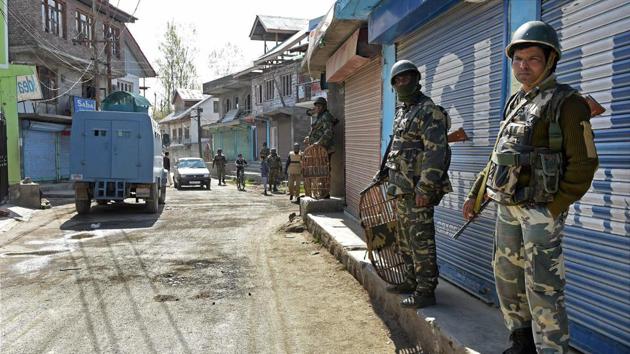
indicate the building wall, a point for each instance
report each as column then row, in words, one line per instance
column 8, row 99
column 285, row 144
column 268, row 105
column 29, row 15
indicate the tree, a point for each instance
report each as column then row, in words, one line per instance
column 176, row 67
column 226, row 60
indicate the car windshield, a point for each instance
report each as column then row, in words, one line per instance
column 191, row 164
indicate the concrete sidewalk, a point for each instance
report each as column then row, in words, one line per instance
column 459, row 323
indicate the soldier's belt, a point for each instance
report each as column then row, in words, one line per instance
column 405, row 145
column 512, row 159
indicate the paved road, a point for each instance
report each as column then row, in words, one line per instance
column 211, row 272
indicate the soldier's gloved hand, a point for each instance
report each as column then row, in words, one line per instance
column 422, row 201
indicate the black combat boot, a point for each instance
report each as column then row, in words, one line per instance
column 522, row 342
column 418, row 300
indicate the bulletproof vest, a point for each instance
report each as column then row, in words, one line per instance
column 319, row 126
column 514, row 150
column 403, row 159
column 295, row 163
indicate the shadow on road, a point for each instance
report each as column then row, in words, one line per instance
column 113, row 216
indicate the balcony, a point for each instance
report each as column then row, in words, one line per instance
column 308, row 91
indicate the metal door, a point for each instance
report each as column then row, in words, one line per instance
column 125, row 144
column 4, row 170
column 97, row 149
column 40, row 154
column 363, row 130
column 460, row 57
column 595, row 44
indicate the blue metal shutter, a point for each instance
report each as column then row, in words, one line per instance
column 64, row 156
column 39, row 154
column 595, row 44
column 460, row 56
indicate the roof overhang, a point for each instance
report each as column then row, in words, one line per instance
column 283, row 51
column 138, row 54
column 351, row 56
column 262, row 31
column 341, row 21
column 46, row 118
column 110, row 10
column 392, row 19
column 228, row 83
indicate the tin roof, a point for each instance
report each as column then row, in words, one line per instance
column 271, row 28
column 189, row 95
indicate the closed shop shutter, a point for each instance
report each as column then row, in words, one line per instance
column 40, row 155
column 363, row 130
column 460, row 57
column 595, row 45
column 64, row 155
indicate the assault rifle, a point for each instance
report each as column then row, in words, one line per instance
column 383, row 172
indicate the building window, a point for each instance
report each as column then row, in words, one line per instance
column 179, row 134
column 236, row 102
column 248, row 103
column 268, row 90
column 186, row 133
column 259, row 94
column 215, row 106
column 287, row 83
column 85, row 28
column 48, row 82
column 174, row 134
column 54, row 17
column 113, row 33
column 124, row 86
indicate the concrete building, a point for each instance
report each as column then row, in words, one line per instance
column 181, row 125
column 58, row 38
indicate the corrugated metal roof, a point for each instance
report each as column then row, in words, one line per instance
column 283, row 47
column 277, row 23
column 206, row 116
column 190, row 95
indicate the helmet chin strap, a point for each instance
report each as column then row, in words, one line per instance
column 550, row 61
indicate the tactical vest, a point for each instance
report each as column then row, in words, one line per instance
column 323, row 122
column 402, row 160
column 514, row 150
column 295, row 163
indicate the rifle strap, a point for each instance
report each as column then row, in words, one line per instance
column 486, row 170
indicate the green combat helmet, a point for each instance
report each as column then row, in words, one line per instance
column 534, row 32
column 403, row 66
column 321, row 101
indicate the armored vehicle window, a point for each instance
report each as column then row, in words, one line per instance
column 100, row 132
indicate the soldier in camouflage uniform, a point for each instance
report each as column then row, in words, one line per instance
column 264, row 151
column 219, row 162
column 417, row 162
column 321, row 131
column 275, row 170
column 543, row 161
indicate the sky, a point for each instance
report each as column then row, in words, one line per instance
column 216, row 22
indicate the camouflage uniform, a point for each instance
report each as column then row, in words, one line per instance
column 418, row 162
column 533, row 195
column 264, row 152
column 219, row 162
column 275, row 170
column 322, row 130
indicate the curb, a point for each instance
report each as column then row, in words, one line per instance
column 418, row 327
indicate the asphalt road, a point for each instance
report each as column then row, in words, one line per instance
column 211, row 272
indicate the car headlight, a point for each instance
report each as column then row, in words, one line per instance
column 206, row 175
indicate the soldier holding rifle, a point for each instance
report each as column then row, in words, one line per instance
column 543, row 161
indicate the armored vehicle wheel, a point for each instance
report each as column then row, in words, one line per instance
column 162, row 198
column 153, row 202
column 82, row 206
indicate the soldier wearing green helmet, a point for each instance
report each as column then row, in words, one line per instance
column 417, row 164
column 544, row 160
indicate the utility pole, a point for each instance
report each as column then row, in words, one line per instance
column 97, row 85
column 199, row 110
column 109, row 32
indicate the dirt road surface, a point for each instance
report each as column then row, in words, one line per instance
column 210, row 273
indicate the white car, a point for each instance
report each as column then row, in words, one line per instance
column 191, row 171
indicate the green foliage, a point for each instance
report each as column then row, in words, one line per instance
column 176, row 66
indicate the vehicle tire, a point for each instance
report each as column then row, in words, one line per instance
column 162, row 198
column 153, row 202
column 177, row 185
column 208, row 186
column 82, row 206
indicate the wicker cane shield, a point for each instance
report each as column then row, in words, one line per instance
column 378, row 218
column 316, row 171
